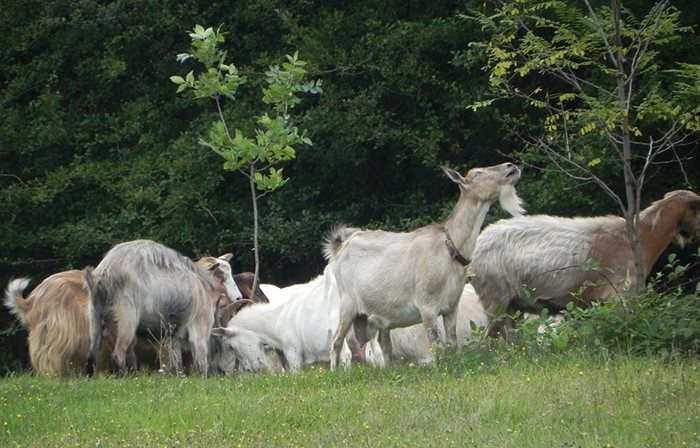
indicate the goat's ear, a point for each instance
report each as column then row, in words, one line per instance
column 222, row 331
column 213, row 266
column 455, row 177
column 452, row 174
column 226, row 257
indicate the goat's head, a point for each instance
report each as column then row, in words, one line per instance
column 491, row 183
column 222, row 274
column 688, row 229
column 244, row 349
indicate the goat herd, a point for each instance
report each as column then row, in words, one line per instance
column 145, row 303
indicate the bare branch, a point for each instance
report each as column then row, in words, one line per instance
column 14, row 176
column 601, row 32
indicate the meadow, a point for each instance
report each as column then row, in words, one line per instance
column 574, row 399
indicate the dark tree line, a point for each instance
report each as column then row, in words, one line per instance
column 97, row 148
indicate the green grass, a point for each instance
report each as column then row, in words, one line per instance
column 528, row 401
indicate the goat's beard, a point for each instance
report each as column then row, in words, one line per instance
column 510, row 201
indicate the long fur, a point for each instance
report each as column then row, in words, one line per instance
column 55, row 316
column 151, row 288
column 510, row 201
column 533, row 262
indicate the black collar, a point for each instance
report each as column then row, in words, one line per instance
column 454, row 252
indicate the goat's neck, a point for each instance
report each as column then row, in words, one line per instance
column 464, row 223
column 261, row 318
column 656, row 231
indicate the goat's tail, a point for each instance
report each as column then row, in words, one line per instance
column 15, row 300
column 334, row 240
column 96, row 306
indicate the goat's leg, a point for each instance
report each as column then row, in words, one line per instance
column 449, row 320
column 125, row 339
column 430, row 323
column 175, row 354
column 295, row 360
column 124, row 325
column 384, row 338
column 346, row 355
column 131, row 362
column 344, row 324
column 495, row 308
column 199, row 343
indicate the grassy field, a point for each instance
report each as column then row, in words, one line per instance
column 555, row 401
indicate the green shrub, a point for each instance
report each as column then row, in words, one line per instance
column 663, row 320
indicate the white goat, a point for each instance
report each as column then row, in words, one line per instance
column 274, row 293
column 400, row 279
column 298, row 322
column 535, row 262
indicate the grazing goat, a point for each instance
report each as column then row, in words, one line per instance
column 55, row 315
column 529, row 263
column 152, row 289
column 298, row 326
column 400, row 279
column 273, row 293
column 411, row 344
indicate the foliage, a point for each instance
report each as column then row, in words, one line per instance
column 662, row 320
column 558, row 58
column 275, row 137
column 606, row 104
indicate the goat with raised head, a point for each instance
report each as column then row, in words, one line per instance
column 153, row 289
column 401, row 279
column 534, row 262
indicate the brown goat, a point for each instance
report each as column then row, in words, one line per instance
column 244, row 280
column 534, row 262
column 55, row 315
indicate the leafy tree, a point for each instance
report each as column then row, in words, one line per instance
column 275, row 137
column 606, row 101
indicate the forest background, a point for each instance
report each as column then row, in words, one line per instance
column 96, row 147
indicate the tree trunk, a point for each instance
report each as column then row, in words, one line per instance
column 254, row 198
column 631, row 186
